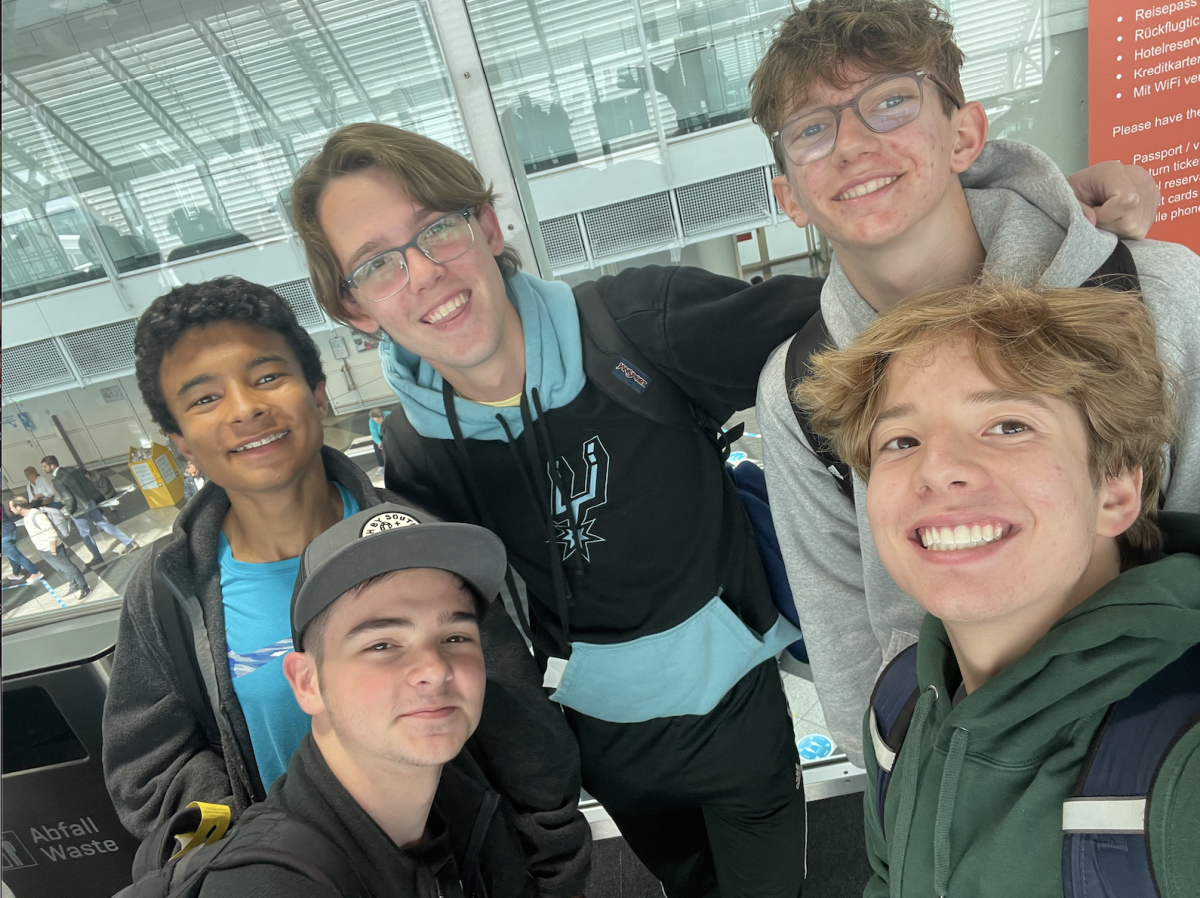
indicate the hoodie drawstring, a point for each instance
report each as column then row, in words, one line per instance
column 945, row 811
column 910, row 765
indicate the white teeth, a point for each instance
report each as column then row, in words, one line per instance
column 271, row 439
column 869, row 187
column 446, row 308
column 947, row 539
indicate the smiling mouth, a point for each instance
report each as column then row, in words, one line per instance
column 864, row 189
column 446, row 308
column 952, row 539
column 264, row 441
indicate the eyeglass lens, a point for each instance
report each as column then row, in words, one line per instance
column 882, row 107
column 385, row 275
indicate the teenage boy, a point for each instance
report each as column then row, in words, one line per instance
column 877, row 147
column 385, row 621
column 230, row 375
column 651, row 612
column 78, row 496
column 50, row 546
column 1012, row 454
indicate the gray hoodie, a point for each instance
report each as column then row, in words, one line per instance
column 854, row 617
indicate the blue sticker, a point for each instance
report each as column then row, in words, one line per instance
column 735, row 457
column 629, row 374
column 814, row 747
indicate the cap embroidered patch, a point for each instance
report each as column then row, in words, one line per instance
column 389, row 520
column 629, row 374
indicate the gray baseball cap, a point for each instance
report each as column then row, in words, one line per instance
column 386, row 538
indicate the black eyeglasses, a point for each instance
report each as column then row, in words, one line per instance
column 883, row 106
column 384, row 275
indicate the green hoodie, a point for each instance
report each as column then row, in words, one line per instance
column 986, row 780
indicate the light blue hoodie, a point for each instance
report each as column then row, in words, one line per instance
column 553, row 364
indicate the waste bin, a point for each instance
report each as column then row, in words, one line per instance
column 61, row 835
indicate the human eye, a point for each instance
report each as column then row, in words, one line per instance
column 1007, row 427
column 892, row 101
column 380, row 647
column 899, row 444
column 810, row 130
column 374, row 267
column 203, row 400
column 268, row 378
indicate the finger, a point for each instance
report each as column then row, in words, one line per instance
column 1088, row 212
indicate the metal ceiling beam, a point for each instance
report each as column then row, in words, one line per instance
column 248, row 89
column 339, row 58
column 15, row 185
column 49, row 120
column 14, row 149
column 146, row 100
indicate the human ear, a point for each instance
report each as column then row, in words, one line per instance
column 321, row 398
column 356, row 317
column 181, row 445
column 300, row 668
column 492, row 232
column 970, row 126
column 787, row 201
column 1120, row 502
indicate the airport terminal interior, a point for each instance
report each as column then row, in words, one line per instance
column 151, row 143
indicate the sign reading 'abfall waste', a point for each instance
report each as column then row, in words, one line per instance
column 1144, row 101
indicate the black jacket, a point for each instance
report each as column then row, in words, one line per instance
column 74, row 490
column 157, row 757
column 310, row 792
column 661, row 528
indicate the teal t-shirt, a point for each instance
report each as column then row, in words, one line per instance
column 258, row 633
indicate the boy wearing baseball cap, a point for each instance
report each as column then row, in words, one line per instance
column 385, row 621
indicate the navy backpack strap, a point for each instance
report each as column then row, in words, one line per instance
column 892, row 703
column 1105, row 838
column 809, row 340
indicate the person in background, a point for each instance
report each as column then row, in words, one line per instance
column 78, row 496
column 41, row 494
column 23, row 570
column 193, row 481
column 50, row 546
column 375, row 422
column 1011, row 446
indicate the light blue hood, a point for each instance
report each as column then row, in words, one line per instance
column 553, row 364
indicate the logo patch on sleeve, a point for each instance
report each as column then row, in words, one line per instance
column 630, row 375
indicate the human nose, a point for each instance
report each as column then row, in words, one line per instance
column 947, row 465
column 853, row 137
column 423, row 272
column 243, row 403
column 428, row 666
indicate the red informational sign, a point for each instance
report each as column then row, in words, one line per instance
column 1144, row 101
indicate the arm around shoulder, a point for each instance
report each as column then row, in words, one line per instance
column 1174, row 819
column 156, row 756
column 529, row 754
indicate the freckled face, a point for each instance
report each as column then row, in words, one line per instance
column 960, row 454
column 914, row 164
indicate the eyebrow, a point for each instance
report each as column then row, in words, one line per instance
column 372, row 246
column 206, row 378
column 384, row 623
column 985, row 397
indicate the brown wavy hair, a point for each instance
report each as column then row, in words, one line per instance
column 879, row 36
column 1095, row 349
column 434, row 176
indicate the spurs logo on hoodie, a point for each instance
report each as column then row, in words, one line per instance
column 574, row 514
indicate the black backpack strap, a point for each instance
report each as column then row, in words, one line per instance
column 181, row 647
column 281, row 840
column 1105, row 837
column 623, row 373
column 892, row 704
column 809, row 340
column 472, row 883
column 1118, row 271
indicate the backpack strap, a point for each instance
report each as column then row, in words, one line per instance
column 809, row 340
column 1106, row 848
column 1118, row 271
column 177, row 631
column 623, row 373
column 472, row 882
column 892, row 703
